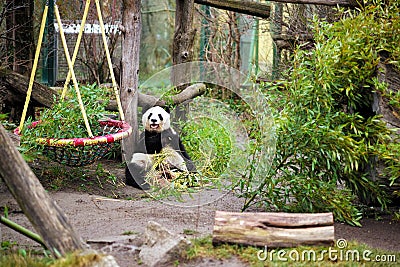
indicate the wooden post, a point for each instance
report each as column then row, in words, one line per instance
column 45, row 215
column 273, row 229
column 182, row 49
column 131, row 29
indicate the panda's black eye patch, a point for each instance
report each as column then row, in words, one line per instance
column 161, row 117
column 148, row 118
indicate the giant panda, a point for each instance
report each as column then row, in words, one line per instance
column 156, row 137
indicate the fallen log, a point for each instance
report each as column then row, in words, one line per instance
column 45, row 215
column 147, row 101
column 42, row 95
column 18, row 84
column 273, row 229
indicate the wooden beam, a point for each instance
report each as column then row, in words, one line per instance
column 351, row 3
column 273, row 229
column 44, row 214
column 261, row 10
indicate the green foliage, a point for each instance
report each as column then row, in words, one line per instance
column 6, row 124
column 326, row 133
column 23, row 258
column 389, row 152
column 210, row 145
column 64, row 119
column 259, row 257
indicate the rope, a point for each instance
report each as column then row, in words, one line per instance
column 34, row 67
column 71, row 69
column 76, row 50
column 115, row 86
column 71, row 73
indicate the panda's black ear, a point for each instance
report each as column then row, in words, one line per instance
column 166, row 108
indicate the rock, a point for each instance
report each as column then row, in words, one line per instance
column 161, row 247
column 106, row 261
column 112, row 239
column 99, row 260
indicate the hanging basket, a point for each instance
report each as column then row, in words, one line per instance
column 77, row 152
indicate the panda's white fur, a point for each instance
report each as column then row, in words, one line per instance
column 158, row 137
column 156, row 119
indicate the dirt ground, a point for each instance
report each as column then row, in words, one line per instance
column 103, row 210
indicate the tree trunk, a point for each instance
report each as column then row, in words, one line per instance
column 273, row 229
column 44, row 214
column 131, row 28
column 182, row 47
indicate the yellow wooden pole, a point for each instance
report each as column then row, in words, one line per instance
column 34, row 67
column 76, row 50
column 71, row 69
column 115, row 86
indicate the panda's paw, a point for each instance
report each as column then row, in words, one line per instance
column 137, row 181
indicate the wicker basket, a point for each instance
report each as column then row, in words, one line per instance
column 76, row 152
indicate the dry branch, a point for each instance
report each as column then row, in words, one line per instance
column 273, row 229
column 286, row 41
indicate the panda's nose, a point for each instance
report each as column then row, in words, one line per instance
column 153, row 120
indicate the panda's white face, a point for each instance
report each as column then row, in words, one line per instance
column 156, row 119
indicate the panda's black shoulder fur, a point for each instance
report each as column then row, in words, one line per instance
column 153, row 142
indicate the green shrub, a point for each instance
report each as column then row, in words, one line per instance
column 327, row 133
column 209, row 144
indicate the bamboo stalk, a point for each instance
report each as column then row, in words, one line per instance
column 22, row 230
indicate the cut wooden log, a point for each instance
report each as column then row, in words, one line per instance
column 273, row 229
